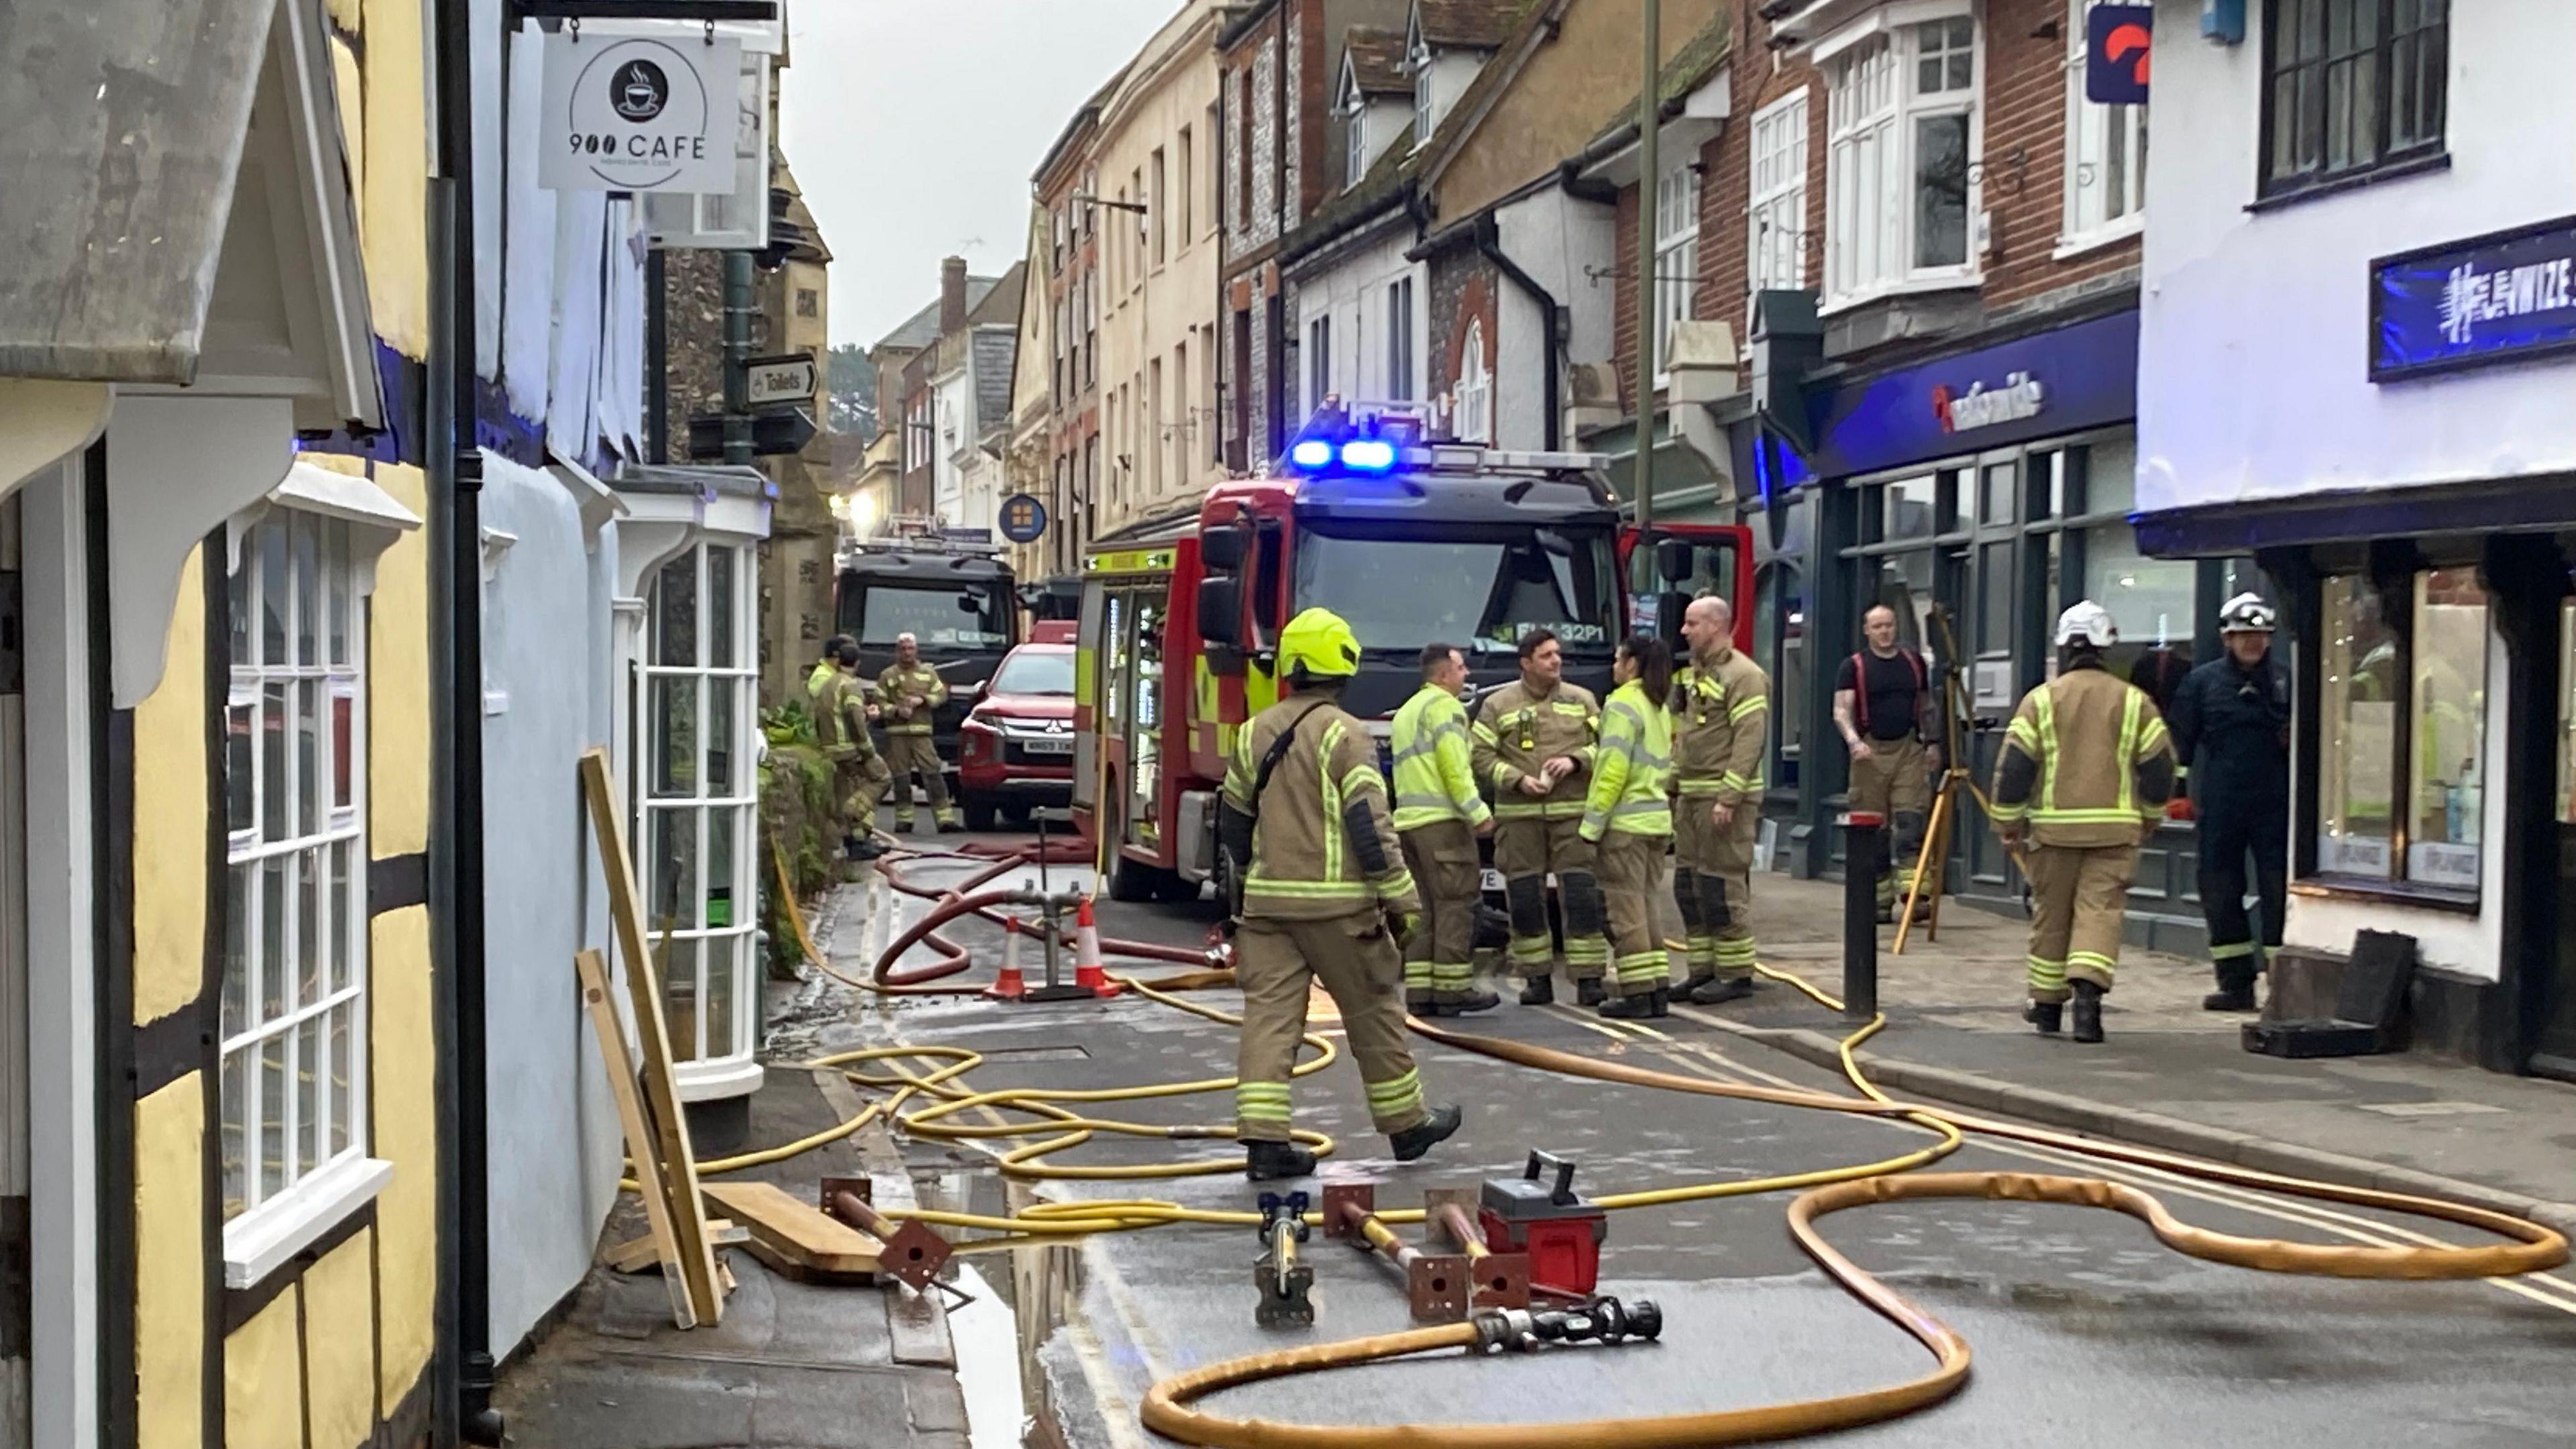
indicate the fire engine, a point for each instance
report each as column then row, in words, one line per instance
column 1411, row 540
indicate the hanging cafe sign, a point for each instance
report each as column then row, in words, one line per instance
column 638, row 113
column 2504, row 297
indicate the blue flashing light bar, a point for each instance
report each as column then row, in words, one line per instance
column 1311, row 453
column 1366, row 455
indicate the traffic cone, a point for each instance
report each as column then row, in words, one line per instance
column 1088, row 972
column 1011, row 986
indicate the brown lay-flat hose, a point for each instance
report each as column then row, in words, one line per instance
column 1168, row 1406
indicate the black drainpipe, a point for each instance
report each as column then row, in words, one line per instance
column 456, row 762
column 1489, row 241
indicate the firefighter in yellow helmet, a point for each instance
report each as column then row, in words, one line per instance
column 2083, row 777
column 1321, row 895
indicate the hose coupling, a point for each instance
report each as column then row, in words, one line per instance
column 1603, row 1320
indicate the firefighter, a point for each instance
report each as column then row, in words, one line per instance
column 1533, row 744
column 826, row 669
column 859, row 773
column 1439, row 817
column 1628, row 818
column 1322, row 895
column 1721, row 712
column 2083, row 777
column 1884, row 706
column 2231, row 731
column 907, row 692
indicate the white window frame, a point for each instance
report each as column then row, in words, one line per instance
column 1399, row 340
column 698, row 948
column 344, row 522
column 1874, row 107
column 1676, row 253
column 1472, row 404
column 1319, row 360
column 1355, row 157
column 1776, row 256
column 1418, row 56
column 2093, row 131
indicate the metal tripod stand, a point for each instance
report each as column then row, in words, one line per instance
column 1931, row 863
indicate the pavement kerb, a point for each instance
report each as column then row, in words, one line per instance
column 2156, row 1130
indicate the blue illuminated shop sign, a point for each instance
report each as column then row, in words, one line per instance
column 2504, row 297
column 2044, row 386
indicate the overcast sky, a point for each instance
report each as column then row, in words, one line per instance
column 915, row 125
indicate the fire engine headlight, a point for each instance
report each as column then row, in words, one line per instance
column 1368, row 455
column 1311, row 453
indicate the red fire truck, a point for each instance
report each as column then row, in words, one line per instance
column 1410, row 541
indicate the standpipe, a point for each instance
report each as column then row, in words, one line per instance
column 1436, row 1285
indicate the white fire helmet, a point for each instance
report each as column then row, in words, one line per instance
column 2247, row 614
column 2089, row 622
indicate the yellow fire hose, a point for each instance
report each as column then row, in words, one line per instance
column 1169, row 1408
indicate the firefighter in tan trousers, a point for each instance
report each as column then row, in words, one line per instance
column 1886, row 710
column 1323, row 896
column 908, row 692
column 859, row 773
column 2082, row 780
column 1721, row 713
column 1533, row 743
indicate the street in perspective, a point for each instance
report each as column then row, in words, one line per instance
column 1287, row 724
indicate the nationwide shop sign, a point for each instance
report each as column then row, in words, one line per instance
column 2504, row 297
column 638, row 114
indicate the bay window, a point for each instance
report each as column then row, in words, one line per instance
column 2401, row 743
column 1902, row 129
column 2106, row 153
column 1676, row 252
column 698, row 836
column 1779, row 206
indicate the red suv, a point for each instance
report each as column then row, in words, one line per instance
column 1015, row 749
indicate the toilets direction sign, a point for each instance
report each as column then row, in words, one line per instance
column 638, row 113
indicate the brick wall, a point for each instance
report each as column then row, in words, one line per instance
column 2026, row 113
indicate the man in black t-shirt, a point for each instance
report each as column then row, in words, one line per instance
column 1884, row 706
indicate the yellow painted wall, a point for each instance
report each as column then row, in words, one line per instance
column 340, row 1346
column 263, row 1384
column 393, row 211
column 171, row 1274
column 169, row 826
column 406, row 1134
column 398, row 680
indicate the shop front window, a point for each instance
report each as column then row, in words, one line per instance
column 696, row 842
column 2402, row 710
column 2150, row 599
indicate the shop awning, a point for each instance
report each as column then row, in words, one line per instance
column 125, row 122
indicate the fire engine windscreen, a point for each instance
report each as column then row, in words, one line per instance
column 968, row 617
column 1482, row 588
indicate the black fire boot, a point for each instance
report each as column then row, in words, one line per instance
column 1539, row 991
column 2048, row 1016
column 1687, row 988
column 2088, row 1011
column 1718, row 990
column 1270, row 1161
column 1641, row 1007
column 1422, row 1136
column 1590, row 991
column 1419, row 1003
column 1460, row 1003
column 2235, row 987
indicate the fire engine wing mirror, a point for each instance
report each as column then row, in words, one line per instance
column 970, row 602
column 1220, row 604
column 1673, row 560
column 1225, row 547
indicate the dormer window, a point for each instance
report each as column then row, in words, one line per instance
column 1355, row 164
column 1419, row 60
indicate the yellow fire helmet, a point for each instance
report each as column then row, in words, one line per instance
column 1318, row 645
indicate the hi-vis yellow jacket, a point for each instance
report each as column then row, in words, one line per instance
column 1632, row 772
column 2086, row 763
column 1518, row 731
column 1316, row 845
column 1720, row 715
column 1435, row 772
column 897, row 682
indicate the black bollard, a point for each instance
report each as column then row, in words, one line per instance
column 1861, row 832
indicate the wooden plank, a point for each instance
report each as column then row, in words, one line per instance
column 661, row 1089
column 637, row 1255
column 798, row 1231
column 640, row 1146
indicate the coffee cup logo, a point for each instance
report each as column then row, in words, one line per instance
column 639, row 90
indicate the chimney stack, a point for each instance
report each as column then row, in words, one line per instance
column 952, row 295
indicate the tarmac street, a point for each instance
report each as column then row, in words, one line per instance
column 2084, row 1328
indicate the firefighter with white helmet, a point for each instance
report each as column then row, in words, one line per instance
column 2081, row 781
column 2231, row 729
column 1323, row 895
